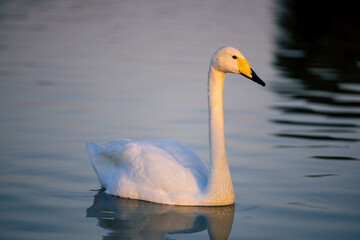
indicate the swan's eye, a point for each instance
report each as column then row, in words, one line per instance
column 234, row 57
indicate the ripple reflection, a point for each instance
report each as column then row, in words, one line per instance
column 133, row 219
column 320, row 91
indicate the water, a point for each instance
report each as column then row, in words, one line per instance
column 78, row 71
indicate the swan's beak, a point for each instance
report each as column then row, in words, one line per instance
column 255, row 78
column 246, row 71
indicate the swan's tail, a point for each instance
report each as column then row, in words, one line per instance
column 92, row 150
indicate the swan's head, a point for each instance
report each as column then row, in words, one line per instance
column 231, row 60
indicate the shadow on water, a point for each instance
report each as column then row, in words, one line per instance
column 133, row 219
column 319, row 56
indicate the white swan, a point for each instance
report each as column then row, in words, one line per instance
column 165, row 171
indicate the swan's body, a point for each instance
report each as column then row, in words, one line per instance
column 166, row 171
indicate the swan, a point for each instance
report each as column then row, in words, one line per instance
column 166, row 171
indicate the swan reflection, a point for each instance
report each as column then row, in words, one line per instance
column 133, row 219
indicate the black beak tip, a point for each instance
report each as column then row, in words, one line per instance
column 255, row 78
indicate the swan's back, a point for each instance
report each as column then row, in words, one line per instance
column 159, row 170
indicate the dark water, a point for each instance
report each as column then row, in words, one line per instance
column 78, row 71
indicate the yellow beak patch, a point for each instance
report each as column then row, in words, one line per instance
column 244, row 67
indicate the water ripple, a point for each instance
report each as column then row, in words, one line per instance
column 336, row 158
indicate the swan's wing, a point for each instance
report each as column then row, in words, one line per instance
column 131, row 169
column 184, row 155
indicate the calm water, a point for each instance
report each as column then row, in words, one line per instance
column 78, row 71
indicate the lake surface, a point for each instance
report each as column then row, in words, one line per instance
column 79, row 71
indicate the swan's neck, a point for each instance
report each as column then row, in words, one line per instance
column 219, row 186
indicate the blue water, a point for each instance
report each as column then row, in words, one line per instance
column 79, row 71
